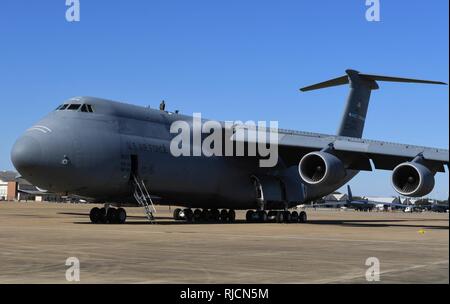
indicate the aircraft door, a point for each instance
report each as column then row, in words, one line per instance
column 134, row 166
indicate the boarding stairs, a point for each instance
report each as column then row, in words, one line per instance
column 143, row 198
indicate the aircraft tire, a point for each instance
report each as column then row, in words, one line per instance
column 302, row 217
column 294, row 217
column 176, row 214
column 94, row 215
column 215, row 215
column 188, row 215
column 102, row 216
column 231, row 216
column 287, row 217
column 111, row 216
column 272, row 216
column 224, row 215
column 262, row 216
column 207, row 215
column 249, row 216
column 197, row 215
column 279, row 217
column 121, row 216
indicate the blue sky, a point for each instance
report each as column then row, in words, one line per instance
column 231, row 60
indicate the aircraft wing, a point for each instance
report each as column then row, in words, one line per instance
column 33, row 192
column 359, row 203
column 352, row 204
column 40, row 192
column 327, row 204
column 293, row 145
column 398, row 205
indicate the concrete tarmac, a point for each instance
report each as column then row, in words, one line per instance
column 37, row 238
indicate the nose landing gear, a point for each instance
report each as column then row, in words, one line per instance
column 108, row 215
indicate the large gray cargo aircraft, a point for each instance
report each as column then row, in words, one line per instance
column 119, row 155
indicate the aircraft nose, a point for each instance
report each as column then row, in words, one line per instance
column 26, row 154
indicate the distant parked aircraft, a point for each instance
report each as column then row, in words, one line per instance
column 359, row 204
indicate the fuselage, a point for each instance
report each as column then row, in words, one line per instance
column 94, row 150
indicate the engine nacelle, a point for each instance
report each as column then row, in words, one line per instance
column 321, row 168
column 412, row 179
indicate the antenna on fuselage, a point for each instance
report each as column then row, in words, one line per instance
column 162, row 106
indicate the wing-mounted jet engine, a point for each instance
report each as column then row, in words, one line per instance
column 413, row 178
column 321, row 168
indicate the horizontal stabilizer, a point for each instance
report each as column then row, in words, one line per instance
column 326, row 84
column 398, row 79
column 351, row 73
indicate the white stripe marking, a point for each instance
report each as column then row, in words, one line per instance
column 44, row 127
column 37, row 129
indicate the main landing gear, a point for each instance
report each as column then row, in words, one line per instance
column 108, row 215
column 229, row 216
column 276, row 216
column 205, row 215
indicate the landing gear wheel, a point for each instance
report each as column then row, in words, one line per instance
column 287, row 216
column 111, row 216
column 272, row 216
column 262, row 216
column 94, row 215
column 121, row 216
column 302, row 218
column 231, row 216
column 197, row 215
column 207, row 215
column 188, row 215
column 279, row 217
column 224, row 215
column 294, row 217
column 215, row 215
column 249, row 216
column 102, row 216
column 176, row 214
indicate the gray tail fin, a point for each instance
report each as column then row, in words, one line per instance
column 349, row 193
column 361, row 86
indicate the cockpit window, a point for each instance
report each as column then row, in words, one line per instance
column 87, row 108
column 74, row 107
column 62, row 107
